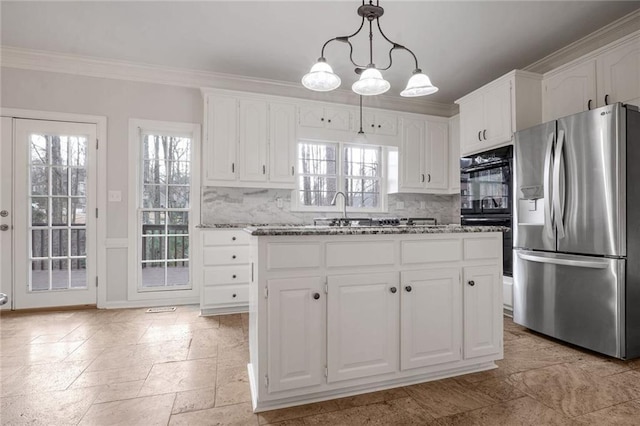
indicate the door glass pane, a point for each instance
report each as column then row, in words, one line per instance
column 58, row 253
column 164, row 222
column 40, row 275
column 59, row 242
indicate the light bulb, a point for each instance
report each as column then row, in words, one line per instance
column 321, row 77
column 418, row 85
column 370, row 83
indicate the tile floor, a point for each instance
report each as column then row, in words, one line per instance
column 102, row 367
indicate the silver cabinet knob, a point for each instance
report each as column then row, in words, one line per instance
column 4, row 227
column 4, row 213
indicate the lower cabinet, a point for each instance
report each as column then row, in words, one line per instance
column 363, row 331
column 296, row 329
column 322, row 329
column 431, row 317
column 482, row 315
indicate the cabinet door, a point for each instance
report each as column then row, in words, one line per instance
column 431, row 317
column 222, row 138
column 454, row 154
column 570, row 91
column 619, row 74
column 296, row 332
column 412, row 175
column 253, row 141
column 471, row 124
column 497, row 115
column 337, row 118
column 362, row 330
column 310, row 116
column 282, row 142
column 437, row 155
column 386, row 124
column 482, row 311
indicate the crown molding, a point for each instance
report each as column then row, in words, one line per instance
column 13, row 57
column 616, row 30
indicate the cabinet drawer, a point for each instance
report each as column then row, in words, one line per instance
column 370, row 253
column 482, row 248
column 225, row 294
column 431, row 251
column 225, row 255
column 227, row 275
column 293, row 256
column 225, row 238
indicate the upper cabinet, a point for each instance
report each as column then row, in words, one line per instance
column 454, row 154
column 570, row 91
column 378, row 123
column 424, row 156
column 490, row 115
column 619, row 73
column 612, row 74
column 325, row 117
column 248, row 142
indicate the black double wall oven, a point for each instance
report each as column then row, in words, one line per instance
column 485, row 194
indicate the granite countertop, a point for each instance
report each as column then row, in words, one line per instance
column 272, row 230
column 245, row 225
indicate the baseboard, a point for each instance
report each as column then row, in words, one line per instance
column 48, row 309
column 507, row 312
column 152, row 303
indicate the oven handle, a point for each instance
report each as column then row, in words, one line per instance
column 487, row 219
column 484, row 167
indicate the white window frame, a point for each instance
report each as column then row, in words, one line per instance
column 182, row 294
column 296, row 205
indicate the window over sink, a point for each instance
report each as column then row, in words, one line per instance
column 325, row 168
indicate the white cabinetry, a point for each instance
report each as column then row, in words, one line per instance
column 570, row 91
column 454, row 154
column 336, row 315
column 296, row 328
column 424, row 156
column 490, row 115
column 619, row 73
column 609, row 75
column 325, row 117
column 362, row 325
column 378, row 123
column 430, row 297
column 226, row 271
column 482, row 316
column 249, row 141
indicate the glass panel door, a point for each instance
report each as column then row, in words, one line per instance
column 6, row 212
column 55, row 236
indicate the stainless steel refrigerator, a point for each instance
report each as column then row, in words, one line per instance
column 577, row 230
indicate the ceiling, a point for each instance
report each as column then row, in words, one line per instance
column 460, row 45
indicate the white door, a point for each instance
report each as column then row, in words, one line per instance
column 482, row 311
column 431, row 317
column 437, row 155
column 619, row 74
column 497, row 115
column 296, row 309
column 6, row 211
column 571, row 91
column 282, row 142
column 221, row 140
column 362, row 331
column 55, row 214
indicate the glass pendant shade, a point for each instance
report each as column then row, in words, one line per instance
column 370, row 83
column 321, row 78
column 360, row 138
column 418, row 85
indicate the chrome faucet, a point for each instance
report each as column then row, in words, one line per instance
column 333, row 203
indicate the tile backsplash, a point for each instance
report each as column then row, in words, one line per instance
column 246, row 205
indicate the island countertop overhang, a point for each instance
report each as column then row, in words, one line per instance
column 368, row 230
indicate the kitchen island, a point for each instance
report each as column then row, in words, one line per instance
column 339, row 311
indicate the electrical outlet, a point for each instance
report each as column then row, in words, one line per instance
column 399, row 205
column 115, row 196
column 423, row 204
column 279, row 202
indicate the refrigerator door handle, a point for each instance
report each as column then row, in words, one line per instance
column 595, row 264
column 557, row 196
column 548, row 213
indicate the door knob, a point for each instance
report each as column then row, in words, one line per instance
column 393, row 289
column 408, row 288
column 471, row 283
column 4, row 213
column 4, row 227
column 316, row 296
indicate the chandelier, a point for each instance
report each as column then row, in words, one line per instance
column 322, row 79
